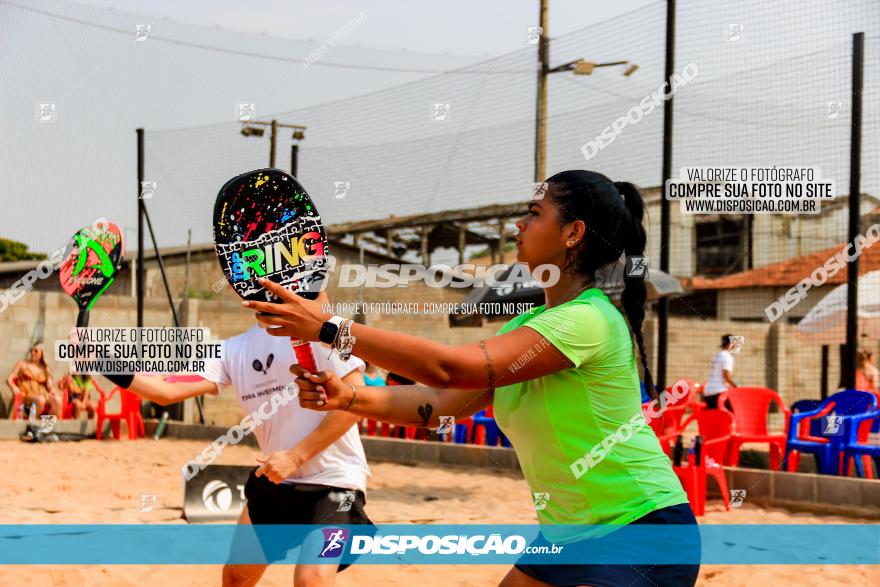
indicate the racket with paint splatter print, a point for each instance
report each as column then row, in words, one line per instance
column 92, row 260
column 266, row 225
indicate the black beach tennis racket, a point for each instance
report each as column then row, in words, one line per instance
column 266, row 225
column 92, row 260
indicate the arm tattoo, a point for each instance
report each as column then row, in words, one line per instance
column 489, row 366
column 425, row 414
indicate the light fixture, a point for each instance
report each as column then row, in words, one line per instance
column 298, row 135
column 583, row 67
column 252, row 131
column 631, row 69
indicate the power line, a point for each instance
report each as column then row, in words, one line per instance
column 255, row 55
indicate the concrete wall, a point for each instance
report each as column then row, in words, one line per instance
column 772, row 356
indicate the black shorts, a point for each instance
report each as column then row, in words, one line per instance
column 627, row 575
column 711, row 401
column 299, row 504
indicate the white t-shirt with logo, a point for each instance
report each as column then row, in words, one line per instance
column 716, row 383
column 258, row 364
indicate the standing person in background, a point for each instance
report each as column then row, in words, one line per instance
column 867, row 376
column 721, row 378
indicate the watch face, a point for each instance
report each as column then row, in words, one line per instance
column 328, row 332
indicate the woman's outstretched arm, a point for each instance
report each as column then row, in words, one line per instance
column 156, row 389
column 405, row 405
column 487, row 364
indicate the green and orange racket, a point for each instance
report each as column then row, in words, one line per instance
column 90, row 265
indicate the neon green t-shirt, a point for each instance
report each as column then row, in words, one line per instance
column 556, row 422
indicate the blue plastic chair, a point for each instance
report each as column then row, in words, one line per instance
column 854, row 450
column 459, row 435
column 847, row 405
column 645, row 397
column 809, row 405
column 814, row 406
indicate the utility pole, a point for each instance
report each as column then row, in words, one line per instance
column 541, row 112
column 578, row 67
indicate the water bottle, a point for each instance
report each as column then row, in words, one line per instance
column 678, row 451
column 160, row 428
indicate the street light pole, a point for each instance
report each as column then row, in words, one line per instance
column 578, row 66
column 253, row 128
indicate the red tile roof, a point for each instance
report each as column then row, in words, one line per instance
column 788, row 273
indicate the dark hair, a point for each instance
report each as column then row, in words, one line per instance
column 613, row 214
column 726, row 339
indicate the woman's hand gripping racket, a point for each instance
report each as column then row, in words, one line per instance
column 90, row 265
column 266, row 226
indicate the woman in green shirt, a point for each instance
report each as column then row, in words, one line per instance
column 562, row 379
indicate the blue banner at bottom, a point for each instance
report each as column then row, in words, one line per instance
column 729, row 544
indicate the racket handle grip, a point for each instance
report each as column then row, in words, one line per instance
column 303, row 351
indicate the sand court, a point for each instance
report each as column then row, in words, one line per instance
column 92, row 482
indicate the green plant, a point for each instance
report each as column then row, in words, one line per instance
column 15, row 251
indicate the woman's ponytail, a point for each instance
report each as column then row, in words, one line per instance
column 614, row 228
column 635, row 292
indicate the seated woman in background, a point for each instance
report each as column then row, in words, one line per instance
column 79, row 389
column 32, row 381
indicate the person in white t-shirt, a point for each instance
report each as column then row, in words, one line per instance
column 721, row 378
column 314, row 469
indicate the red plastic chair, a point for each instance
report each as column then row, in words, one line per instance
column 66, row 406
column 670, row 423
column 130, row 413
column 372, row 426
column 16, row 401
column 694, row 394
column 716, row 428
column 750, row 407
column 693, row 481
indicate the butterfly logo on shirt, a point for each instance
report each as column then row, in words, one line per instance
column 258, row 366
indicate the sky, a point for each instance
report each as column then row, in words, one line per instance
column 457, row 27
column 82, row 58
column 760, row 100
